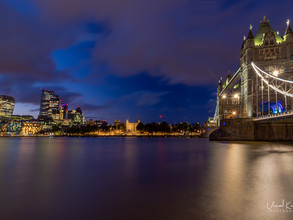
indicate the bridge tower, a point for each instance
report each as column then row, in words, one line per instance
column 271, row 53
column 246, row 97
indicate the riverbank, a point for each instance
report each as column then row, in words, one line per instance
column 111, row 134
column 242, row 129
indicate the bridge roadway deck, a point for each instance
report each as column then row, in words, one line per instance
column 282, row 115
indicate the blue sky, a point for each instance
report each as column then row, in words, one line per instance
column 148, row 60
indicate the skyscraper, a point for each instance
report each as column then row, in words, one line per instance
column 6, row 106
column 49, row 105
column 76, row 116
column 64, row 111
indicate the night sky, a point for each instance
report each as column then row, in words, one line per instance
column 149, row 60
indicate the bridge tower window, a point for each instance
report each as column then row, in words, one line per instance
column 271, row 41
column 266, row 42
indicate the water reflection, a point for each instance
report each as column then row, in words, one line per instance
column 234, row 174
column 121, row 178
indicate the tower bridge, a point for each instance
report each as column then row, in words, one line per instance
column 263, row 84
column 261, row 90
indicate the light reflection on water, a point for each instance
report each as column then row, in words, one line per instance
column 143, row 178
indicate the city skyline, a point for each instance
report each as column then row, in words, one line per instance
column 150, row 62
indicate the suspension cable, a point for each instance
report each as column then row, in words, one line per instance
column 257, row 69
column 270, row 75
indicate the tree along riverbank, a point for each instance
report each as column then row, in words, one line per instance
column 110, row 134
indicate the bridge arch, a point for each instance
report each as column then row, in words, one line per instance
column 272, row 107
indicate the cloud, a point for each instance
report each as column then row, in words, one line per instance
column 23, row 48
column 152, row 36
column 144, row 98
column 182, row 42
column 26, row 90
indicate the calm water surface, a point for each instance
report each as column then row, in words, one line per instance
column 144, row 178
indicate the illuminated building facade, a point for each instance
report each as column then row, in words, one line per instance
column 101, row 123
column 12, row 127
column 64, row 111
column 229, row 102
column 66, row 122
column 21, row 117
column 32, row 127
column 131, row 126
column 7, row 104
column 117, row 123
column 76, row 116
column 49, row 105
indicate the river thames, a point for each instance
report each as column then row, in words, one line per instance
column 144, row 178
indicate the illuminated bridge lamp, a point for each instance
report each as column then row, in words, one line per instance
column 276, row 73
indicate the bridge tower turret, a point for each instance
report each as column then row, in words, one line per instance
column 288, row 33
column 250, row 39
column 218, row 108
column 220, row 85
column 229, row 75
column 247, row 55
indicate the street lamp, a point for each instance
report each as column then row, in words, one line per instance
column 224, row 96
column 234, row 113
column 276, row 73
column 236, row 96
